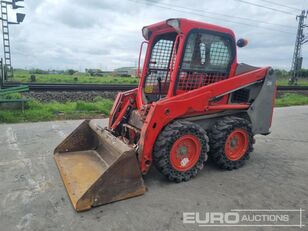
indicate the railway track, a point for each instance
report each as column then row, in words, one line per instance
column 108, row 87
column 292, row 88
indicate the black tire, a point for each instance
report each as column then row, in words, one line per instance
column 163, row 146
column 218, row 137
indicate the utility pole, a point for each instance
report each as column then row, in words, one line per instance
column 8, row 70
column 6, row 41
column 297, row 59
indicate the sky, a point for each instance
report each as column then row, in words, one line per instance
column 79, row 34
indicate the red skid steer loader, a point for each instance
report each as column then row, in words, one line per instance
column 193, row 101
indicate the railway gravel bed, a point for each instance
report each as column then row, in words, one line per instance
column 65, row 96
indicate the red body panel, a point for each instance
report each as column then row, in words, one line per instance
column 197, row 101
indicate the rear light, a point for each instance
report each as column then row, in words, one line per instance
column 175, row 23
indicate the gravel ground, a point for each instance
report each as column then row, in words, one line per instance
column 281, row 93
column 33, row 196
column 64, row 96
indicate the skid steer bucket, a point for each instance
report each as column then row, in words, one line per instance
column 97, row 168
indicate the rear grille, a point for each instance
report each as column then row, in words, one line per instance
column 193, row 80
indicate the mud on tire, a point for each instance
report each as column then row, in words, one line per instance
column 163, row 145
column 218, row 137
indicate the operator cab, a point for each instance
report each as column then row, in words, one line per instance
column 184, row 55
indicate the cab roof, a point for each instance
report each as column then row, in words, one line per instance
column 181, row 25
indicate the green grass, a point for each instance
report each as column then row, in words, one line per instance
column 36, row 111
column 24, row 77
column 11, row 96
column 291, row 99
column 282, row 81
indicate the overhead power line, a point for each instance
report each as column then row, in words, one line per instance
column 279, row 4
column 193, row 11
column 266, row 7
column 225, row 15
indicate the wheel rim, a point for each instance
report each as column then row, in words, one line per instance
column 185, row 152
column 236, row 144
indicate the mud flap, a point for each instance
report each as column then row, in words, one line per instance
column 97, row 168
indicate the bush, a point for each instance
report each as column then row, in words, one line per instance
column 38, row 71
column 70, row 72
column 303, row 73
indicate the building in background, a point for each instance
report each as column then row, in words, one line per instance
column 126, row 71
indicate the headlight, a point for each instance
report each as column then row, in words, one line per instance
column 146, row 33
column 175, row 23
